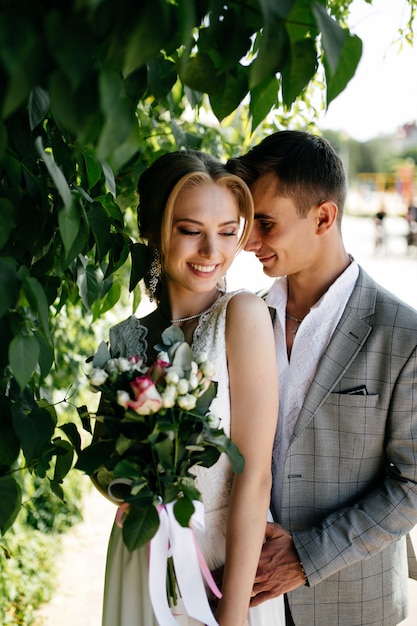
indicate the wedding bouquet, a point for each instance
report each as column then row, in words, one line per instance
column 155, row 427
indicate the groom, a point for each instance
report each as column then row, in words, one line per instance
column 345, row 457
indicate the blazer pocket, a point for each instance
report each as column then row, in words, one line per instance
column 353, row 400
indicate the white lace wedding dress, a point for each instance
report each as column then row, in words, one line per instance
column 126, row 595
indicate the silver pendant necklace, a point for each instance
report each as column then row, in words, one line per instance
column 297, row 320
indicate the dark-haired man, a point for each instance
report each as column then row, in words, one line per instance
column 345, row 458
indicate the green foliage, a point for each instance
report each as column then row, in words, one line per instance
column 28, row 556
column 92, row 92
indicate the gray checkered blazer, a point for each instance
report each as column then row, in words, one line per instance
column 349, row 495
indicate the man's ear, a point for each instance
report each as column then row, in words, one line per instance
column 326, row 216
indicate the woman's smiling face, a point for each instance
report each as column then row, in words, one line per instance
column 204, row 237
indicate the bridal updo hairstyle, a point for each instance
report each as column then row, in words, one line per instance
column 159, row 186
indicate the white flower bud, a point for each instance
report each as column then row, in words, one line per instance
column 169, row 396
column 97, row 377
column 208, row 369
column 201, row 357
column 172, row 377
column 123, row 365
column 182, row 386
column 122, row 398
column 163, row 356
column 187, row 402
column 193, row 381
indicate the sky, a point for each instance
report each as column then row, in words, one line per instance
column 382, row 95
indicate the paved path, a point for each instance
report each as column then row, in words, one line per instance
column 79, row 585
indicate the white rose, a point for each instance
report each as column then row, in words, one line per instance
column 111, row 366
column 97, row 377
column 194, row 367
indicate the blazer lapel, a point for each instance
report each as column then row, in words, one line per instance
column 347, row 340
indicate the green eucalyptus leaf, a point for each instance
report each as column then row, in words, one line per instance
column 102, row 355
column 172, row 335
column 11, row 500
column 23, row 358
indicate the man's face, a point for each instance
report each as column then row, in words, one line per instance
column 283, row 241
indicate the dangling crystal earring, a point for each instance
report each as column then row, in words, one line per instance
column 154, row 274
column 222, row 285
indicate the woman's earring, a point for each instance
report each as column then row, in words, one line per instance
column 222, row 286
column 154, row 275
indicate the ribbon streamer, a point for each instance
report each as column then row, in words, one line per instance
column 188, row 563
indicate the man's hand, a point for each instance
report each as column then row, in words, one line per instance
column 279, row 569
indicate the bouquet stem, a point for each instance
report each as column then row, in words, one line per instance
column 172, row 589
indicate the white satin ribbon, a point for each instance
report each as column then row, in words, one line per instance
column 173, row 538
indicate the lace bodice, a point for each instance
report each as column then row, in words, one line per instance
column 129, row 338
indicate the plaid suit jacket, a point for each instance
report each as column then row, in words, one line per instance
column 349, row 495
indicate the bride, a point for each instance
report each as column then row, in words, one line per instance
column 190, row 212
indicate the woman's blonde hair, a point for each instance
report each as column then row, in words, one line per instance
column 160, row 185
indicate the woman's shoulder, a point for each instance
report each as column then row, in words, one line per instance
column 246, row 302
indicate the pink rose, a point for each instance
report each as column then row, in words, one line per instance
column 157, row 370
column 147, row 398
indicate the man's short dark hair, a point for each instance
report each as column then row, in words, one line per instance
column 306, row 167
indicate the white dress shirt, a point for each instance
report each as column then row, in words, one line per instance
column 310, row 342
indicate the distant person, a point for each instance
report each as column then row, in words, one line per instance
column 380, row 234
column 412, row 226
column 344, row 464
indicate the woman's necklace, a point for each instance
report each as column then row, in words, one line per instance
column 197, row 315
column 297, row 320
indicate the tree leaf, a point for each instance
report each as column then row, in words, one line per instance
column 38, row 302
column 11, row 500
column 69, row 219
column 7, row 220
column 140, row 256
column 162, row 75
column 94, row 456
column 348, row 62
column 100, row 227
column 263, row 98
column 34, row 430
column 38, row 106
column 56, row 174
column 300, row 70
column 64, row 457
column 89, row 280
column 9, row 283
column 232, row 87
column 92, row 165
column 23, row 358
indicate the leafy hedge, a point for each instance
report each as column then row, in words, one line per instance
column 28, row 563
